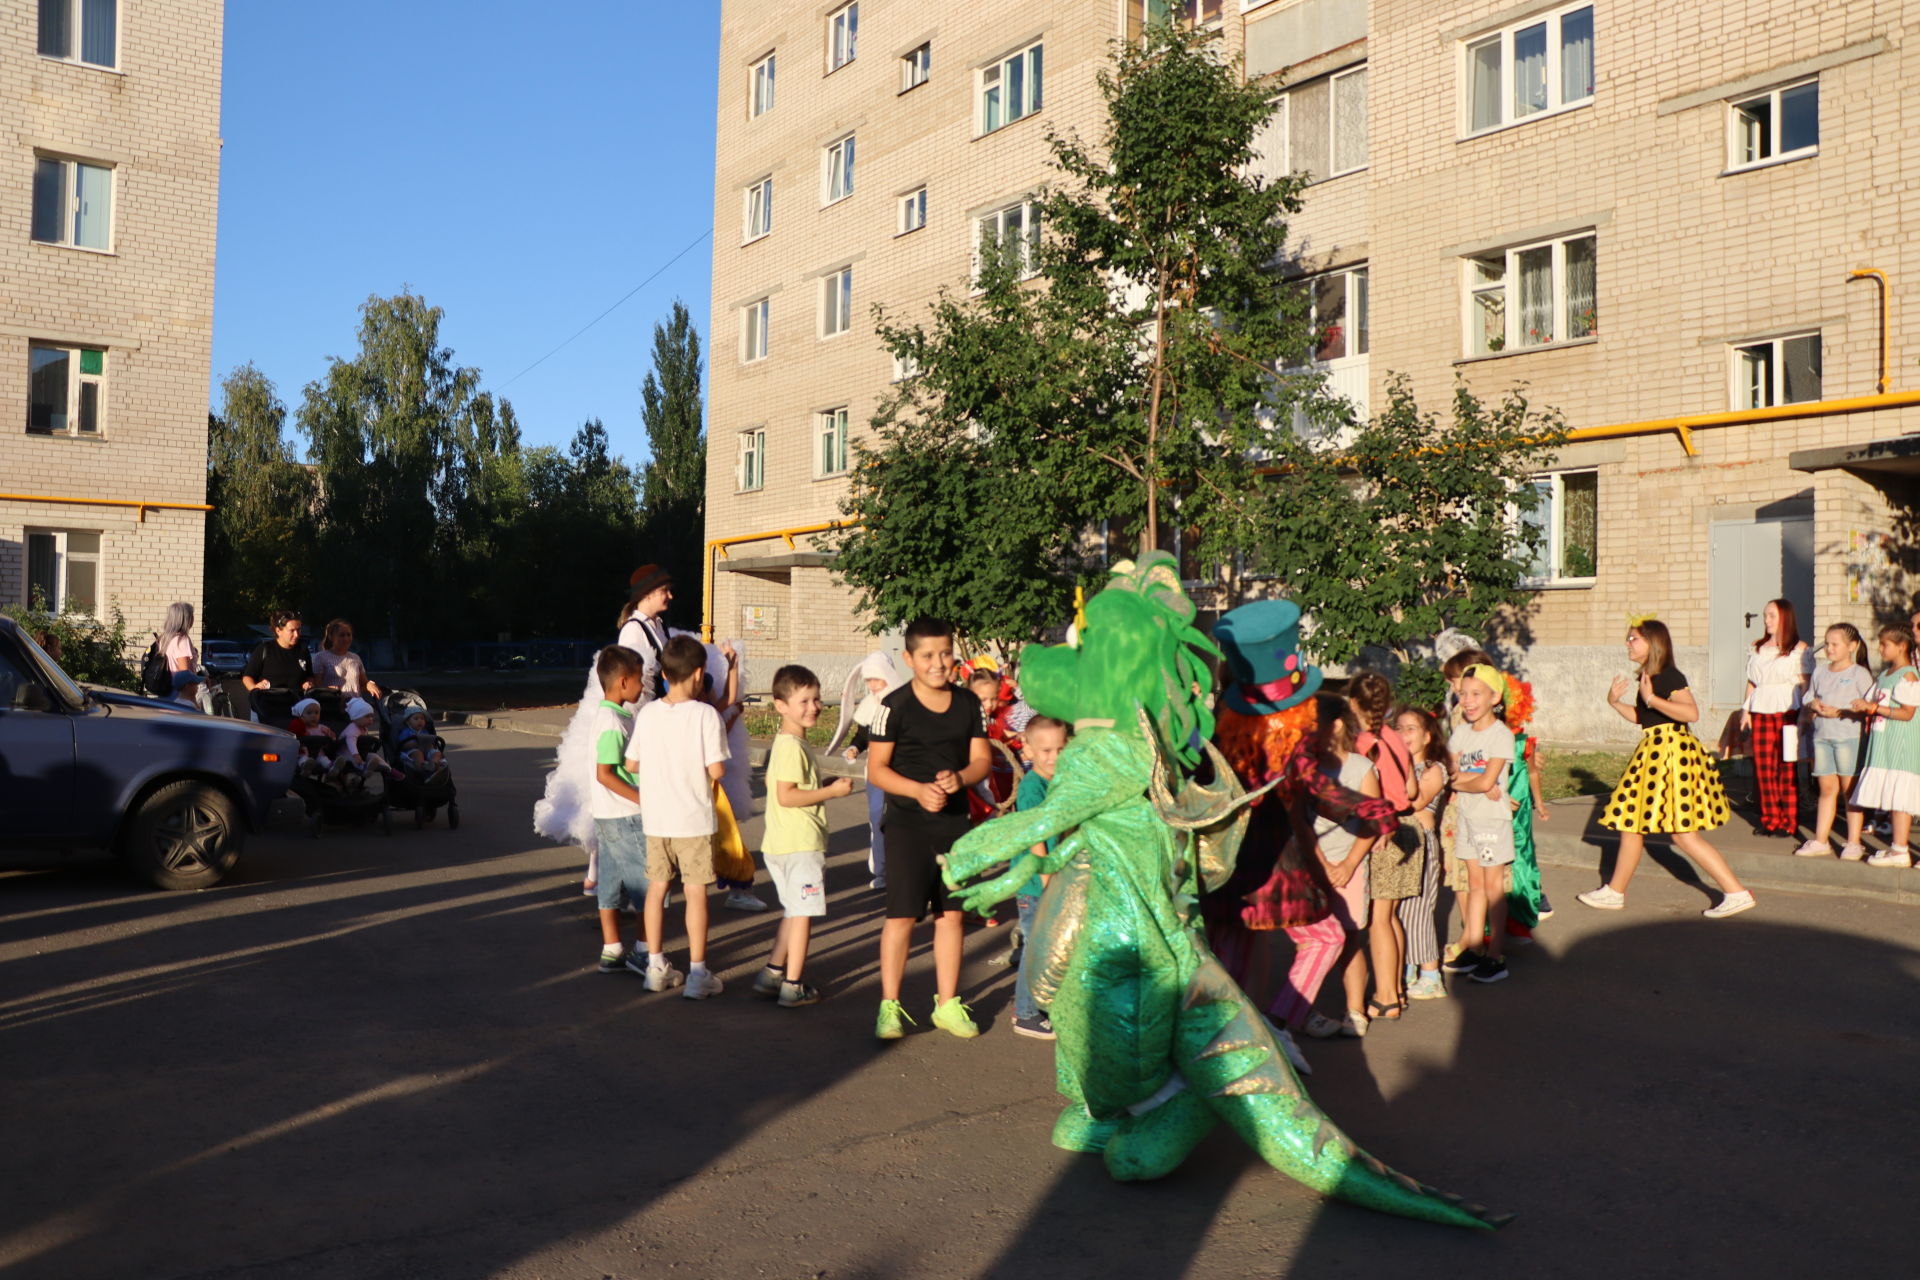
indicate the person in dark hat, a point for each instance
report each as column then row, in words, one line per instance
column 642, row 624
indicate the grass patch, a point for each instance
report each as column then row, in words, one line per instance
column 763, row 722
column 1580, row 773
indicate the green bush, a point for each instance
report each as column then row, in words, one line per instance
column 86, row 648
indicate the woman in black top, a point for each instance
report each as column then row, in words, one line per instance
column 1671, row 786
column 277, row 669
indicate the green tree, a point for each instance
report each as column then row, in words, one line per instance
column 394, row 433
column 260, row 534
column 1413, row 525
column 674, row 484
column 1122, row 360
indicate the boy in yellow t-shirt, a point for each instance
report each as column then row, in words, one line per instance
column 795, row 841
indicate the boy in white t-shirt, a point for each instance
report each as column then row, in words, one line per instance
column 615, row 806
column 795, row 843
column 676, row 752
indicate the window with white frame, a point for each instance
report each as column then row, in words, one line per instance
column 753, row 330
column 760, row 93
column 836, row 302
column 81, row 31
column 63, row 569
column 1542, row 64
column 759, row 209
column 1781, row 124
column 913, row 210
column 1326, row 124
column 1777, row 371
column 905, row 367
column 843, row 36
column 72, row 203
column 1338, row 314
column 839, row 171
column 1192, row 13
column 65, row 389
column 1565, row 522
column 1531, row 295
column 915, row 66
column 1012, row 231
column 830, row 435
column 753, row 459
column 1011, row 89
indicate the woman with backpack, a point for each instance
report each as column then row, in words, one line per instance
column 176, row 676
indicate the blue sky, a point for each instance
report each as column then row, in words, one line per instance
column 521, row 167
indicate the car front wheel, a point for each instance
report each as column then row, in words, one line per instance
column 186, row 835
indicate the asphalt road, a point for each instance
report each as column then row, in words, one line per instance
column 376, row 1057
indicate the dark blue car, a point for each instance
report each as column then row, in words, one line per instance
column 172, row 792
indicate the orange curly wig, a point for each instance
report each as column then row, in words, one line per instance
column 1258, row 747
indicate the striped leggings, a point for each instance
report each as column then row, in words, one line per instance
column 1417, row 915
column 1316, row 949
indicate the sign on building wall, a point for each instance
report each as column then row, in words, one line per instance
column 760, row 620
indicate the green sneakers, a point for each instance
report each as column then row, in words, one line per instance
column 953, row 1018
column 887, row 1025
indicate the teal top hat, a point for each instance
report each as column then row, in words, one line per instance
column 1261, row 642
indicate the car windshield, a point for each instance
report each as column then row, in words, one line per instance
column 52, row 672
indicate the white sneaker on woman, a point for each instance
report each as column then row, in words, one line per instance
column 1606, row 898
column 1891, row 858
column 1814, row 849
column 1731, row 904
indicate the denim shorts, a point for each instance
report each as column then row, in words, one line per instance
column 622, row 876
column 1836, row 757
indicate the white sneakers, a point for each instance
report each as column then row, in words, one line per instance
column 1730, row 904
column 1814, row 849
column 664, row 977
column 1604, row 898
column 701, row 984
column 1896, row 857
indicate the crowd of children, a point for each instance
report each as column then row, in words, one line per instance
column 1386, row 803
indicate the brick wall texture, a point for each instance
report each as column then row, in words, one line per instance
column 1692, row 258
column 154, row 119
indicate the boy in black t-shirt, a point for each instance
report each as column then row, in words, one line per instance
column 928, row 744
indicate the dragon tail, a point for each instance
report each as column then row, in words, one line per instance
column 1228, row 1055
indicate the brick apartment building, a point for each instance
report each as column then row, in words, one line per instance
column 110, row 124
column 1653, row 216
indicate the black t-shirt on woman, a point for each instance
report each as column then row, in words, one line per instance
column 1665, row 685
column 926, row 742
column 280, row 667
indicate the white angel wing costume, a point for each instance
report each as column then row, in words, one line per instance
column 858, row 704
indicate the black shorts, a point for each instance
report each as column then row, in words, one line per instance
column 914, row 843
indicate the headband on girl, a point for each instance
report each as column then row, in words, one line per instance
column 1489, row 677
column 1638, row 620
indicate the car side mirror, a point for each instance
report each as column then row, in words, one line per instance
column 31, row 697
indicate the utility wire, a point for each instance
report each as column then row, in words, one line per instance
column 609, row 311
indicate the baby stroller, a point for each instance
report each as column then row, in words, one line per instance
column 344, row 800
column 426, row 793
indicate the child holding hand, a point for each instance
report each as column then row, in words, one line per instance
column 1891, row 778
column 1483, row 751
column 1831, row 695
column 1045, row 739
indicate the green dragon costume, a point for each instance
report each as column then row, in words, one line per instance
column 1156, row 1042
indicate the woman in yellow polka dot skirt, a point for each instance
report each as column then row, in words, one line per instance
column 1671, row 785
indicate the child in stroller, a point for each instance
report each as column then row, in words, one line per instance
column 425, row 782
column 320, row 754
column 416, row 744
column 361, row 745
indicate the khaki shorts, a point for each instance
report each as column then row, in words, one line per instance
column 689, row 857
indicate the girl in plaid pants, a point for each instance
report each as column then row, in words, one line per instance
column 1777, row 672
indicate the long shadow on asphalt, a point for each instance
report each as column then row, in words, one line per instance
column 1666, row 1099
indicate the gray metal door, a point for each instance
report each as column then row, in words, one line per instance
column 1751, row 562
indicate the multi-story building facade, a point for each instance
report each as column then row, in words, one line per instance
column 1655, row 219
column 110, row 125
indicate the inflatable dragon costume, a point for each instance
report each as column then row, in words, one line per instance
column 1156, row 1042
